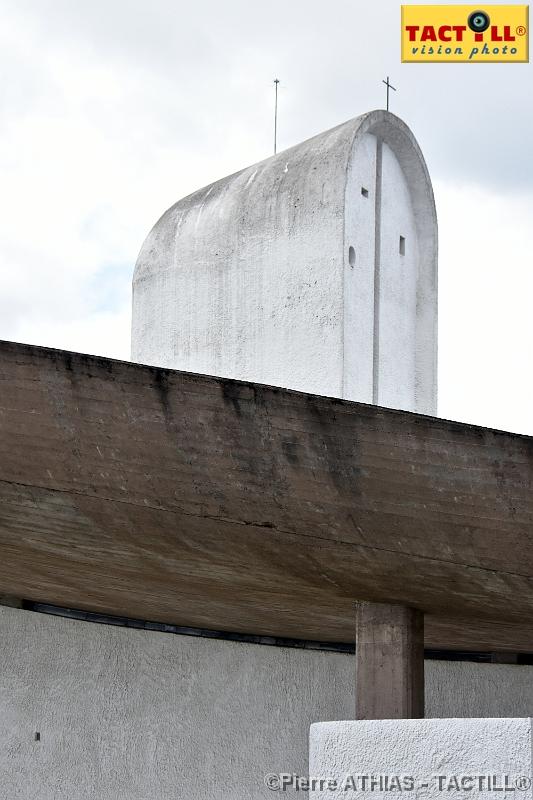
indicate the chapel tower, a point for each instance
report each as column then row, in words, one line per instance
column 315, row 270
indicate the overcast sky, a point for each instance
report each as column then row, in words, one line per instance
column 111, row 110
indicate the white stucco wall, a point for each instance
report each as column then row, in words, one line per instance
column 250, row 278
column 398, row 289
column 437, row 756
column 135, row 715
column 360, row 233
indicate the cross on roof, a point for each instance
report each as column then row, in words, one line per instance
column 389, row 86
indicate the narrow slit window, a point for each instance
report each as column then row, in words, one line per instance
column 364, row 191
column 351, row 256
column 402, row 245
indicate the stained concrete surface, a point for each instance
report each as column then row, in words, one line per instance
column 204, row 502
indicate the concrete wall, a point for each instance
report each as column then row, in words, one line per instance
column 380, row 284
column 419, row 750
column 360, row 233
column 398, row 289
column 251, row 277
column 134, row 715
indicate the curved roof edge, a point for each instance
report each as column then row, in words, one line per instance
column 341, row 139
column 396, row 133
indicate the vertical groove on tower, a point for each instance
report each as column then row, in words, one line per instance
column 377, row 266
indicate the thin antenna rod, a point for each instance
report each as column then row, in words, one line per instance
column 276, row 81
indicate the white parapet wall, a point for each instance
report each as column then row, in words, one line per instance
column 428, row 758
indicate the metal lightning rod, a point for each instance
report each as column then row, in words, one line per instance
column 276, row 82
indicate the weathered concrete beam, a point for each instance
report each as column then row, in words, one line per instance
column 389, row 661
column 11, row 601
column 203, row 502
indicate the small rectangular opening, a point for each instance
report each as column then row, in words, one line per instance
column 402, row 245
column 364, row 191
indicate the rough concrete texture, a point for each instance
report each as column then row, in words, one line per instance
column 290, row 272
column 389, row 657
column 429, row 754
column 211, row 503
column 133, row 715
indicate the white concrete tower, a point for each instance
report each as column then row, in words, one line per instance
column 315, row 270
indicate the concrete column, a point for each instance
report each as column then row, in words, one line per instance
column 389, row 662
